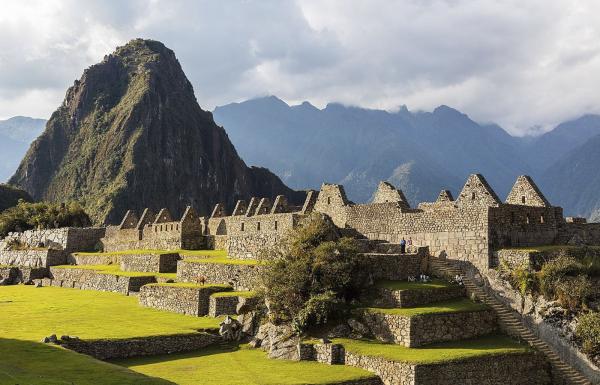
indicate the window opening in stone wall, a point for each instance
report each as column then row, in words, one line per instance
column 242, row 227
column 472, row 196
column 328, row 200
column 257, row 226
column 527, row 219
column 177, row 226
column 512, row 217
column 275, row 225
column 523, row 199
column 156, row 229
column 541, row 218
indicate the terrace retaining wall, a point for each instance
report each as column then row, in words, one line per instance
column 154, row 263
column 33, row 258
column 86, row 279
column 240, row 277
column 179, row 299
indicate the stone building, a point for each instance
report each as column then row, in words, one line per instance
column 467, row 228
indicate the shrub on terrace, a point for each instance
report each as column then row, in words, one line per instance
column 588, row 330
column 314, row 277
column 26, row 216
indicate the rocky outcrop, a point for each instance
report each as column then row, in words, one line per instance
column 130, row 135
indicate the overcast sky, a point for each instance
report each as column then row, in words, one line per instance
column 518, row 63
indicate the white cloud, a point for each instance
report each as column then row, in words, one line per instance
column 520, row 64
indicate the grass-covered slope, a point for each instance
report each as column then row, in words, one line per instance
column 30, row 313
column 10, row 195
column 240, row 366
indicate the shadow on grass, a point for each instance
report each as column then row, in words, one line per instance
column 28, row 362
column 207, row 351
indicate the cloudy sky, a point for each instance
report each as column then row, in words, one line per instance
column 526, row 65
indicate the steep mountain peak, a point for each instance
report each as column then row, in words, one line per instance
column 131, row 135
column 445, row 111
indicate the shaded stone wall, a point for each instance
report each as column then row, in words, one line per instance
column 32, row 258
column 179, row 299
column 68, row 239
column 426, row 329
column 587, row 233
column 92, row 280
column 143, row 346
column 155, row 263
column 397, row 267
column 384, row 297
column 510, row 369
column 240, row 277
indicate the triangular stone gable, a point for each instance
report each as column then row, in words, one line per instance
column 309, row 202
column 264, row 206
column 252, row 206
column 163, row 216
column 445, row 196
column 280, row 205
column 332, row 194
column 129, row 221
column 146, row 218
column 526, row 193
column 190, row 215
column 240, row 208
column 387, row 193
column 477, row 191
column 218, row 211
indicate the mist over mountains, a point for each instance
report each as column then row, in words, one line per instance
column 16, row 134
column 420, row 152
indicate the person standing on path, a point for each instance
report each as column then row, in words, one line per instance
column 402, row 246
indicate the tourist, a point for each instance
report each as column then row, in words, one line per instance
column 402, row 246
column 409, row 244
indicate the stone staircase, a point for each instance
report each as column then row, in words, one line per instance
column 510, row 322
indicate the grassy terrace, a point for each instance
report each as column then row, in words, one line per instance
column 240, row 366
column 183, row 253
column 452, row 306
column 192, row 285
column 442, row 352
column 405, row 285
column 30, row 313
column 224, row 261
column 116, row 270
column 245, row 294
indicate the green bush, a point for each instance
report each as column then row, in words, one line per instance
column 556, row 270
column 572, row 292
column 26, row 216
column 588, row 330
column 314, row 278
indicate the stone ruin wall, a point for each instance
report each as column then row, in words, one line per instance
column 68, row 239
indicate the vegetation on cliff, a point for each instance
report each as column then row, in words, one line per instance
column 129, row 135
column 10, row 196
column 42, row 215
column 314, row 278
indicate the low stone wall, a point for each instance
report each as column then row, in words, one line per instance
column 179, row 299
column 510, row 369
column 32, row 258
column 396, row 267
column 68, row 239
column 154, row 263
column 143, row 346
column 228, row 304
column 86, row 279
column 383, row 297
column 240, row 277
column 93, row 259
column 429, row 328
column 8, row 275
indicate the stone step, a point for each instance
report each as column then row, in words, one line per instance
column 508, row 319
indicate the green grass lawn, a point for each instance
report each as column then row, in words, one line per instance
column 30, row 313
column 186, row 253
column 451, row 306
column 116, row 270
column 442, row 352
column 239, row 366
column 405, row 285
column 34, row 363
column 223, row 260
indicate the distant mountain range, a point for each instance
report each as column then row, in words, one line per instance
column 16, row 134
column 420, row 152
